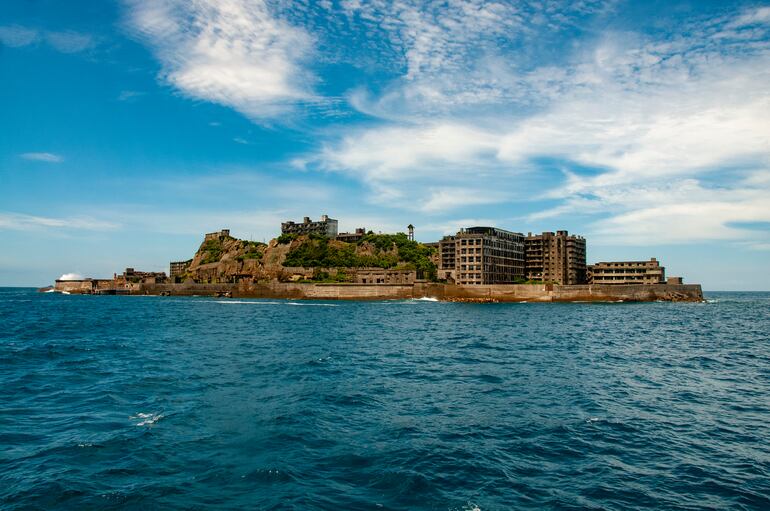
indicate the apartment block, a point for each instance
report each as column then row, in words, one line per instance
column 178, row 268
column 556, row 257
column 324, row 227
column 627, row 272
column 482, row 255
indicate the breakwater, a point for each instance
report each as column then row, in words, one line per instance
column 439, row 291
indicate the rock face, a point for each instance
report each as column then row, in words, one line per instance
column 224, row 259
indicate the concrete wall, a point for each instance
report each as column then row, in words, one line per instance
column 449, row 292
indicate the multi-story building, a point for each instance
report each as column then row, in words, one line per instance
column 324, row 227
column 178, row 268
column 556, row 257
column 445, row 268
column 627, row 272
column 482, row 255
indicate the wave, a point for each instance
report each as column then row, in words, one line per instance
column 146, row 419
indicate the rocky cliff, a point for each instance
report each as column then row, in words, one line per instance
column 225, row 258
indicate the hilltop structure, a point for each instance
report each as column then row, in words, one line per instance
column 324, row 227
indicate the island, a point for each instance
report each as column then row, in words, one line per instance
column 310, row 260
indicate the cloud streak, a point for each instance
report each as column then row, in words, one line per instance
column 22, row 222
column 45, row 157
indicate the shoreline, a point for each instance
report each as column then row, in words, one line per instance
column 495, row 293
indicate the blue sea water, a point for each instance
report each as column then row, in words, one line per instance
column 118, row 402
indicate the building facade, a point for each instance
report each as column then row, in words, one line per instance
column 482, row 255
column 324, row 227
column 445, row 268
column 556, row 257
column 178, row 268
column 352, row 237
column 627, row 272
column 224, row 233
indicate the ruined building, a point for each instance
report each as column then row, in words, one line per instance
column 558, row 258
column 324, row 227
column 178, row 268
column 352, row 237
column 482, row 255
column 628, row 272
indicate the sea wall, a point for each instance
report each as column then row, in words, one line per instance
column 448, row 292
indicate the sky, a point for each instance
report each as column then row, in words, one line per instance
column 130, row 128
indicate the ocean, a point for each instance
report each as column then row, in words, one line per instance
column 131, row 402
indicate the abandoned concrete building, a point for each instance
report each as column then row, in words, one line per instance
column 482, row 255
column 627, row 272
column 556, row 257
column 178, row 268
column 324, row 227
column 384, row 276
column 352, row 237
column 132, row 275
column 224, row 233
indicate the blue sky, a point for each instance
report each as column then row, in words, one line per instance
column 130, row 128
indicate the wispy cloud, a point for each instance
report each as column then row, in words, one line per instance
column 67, row 41
column 130, row 95
column 21, row 222
column 16, row 36
column 46, row 157
column 232, row 52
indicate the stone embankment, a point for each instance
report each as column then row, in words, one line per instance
column 444, row 292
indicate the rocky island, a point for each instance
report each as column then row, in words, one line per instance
column 310, row 260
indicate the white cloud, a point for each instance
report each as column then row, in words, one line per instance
column 16, row 36
column 231, row 52
column 69, row 41
column 46, row 157
column 22, row 222
column 443, row 199
column 71, row 276
column 631, row 117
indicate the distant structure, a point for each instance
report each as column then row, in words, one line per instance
column 325, row 227
column 411, row 232
column 628, row 272
column 482, row 255
column 178, row 268
column 352, row 237
column 224, row 233
column 132, row 275
column 557, row 258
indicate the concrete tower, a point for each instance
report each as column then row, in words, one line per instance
column 411, row 232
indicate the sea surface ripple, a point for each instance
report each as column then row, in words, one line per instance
column 117, row 402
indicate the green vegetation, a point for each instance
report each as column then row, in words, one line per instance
column 254, row 250
column 285, row 239
column 390, row 250
column 212, row 250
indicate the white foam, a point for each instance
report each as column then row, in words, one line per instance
column 146, row 419
column 426, row 299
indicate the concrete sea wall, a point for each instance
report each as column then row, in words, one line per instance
column 447, row 292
